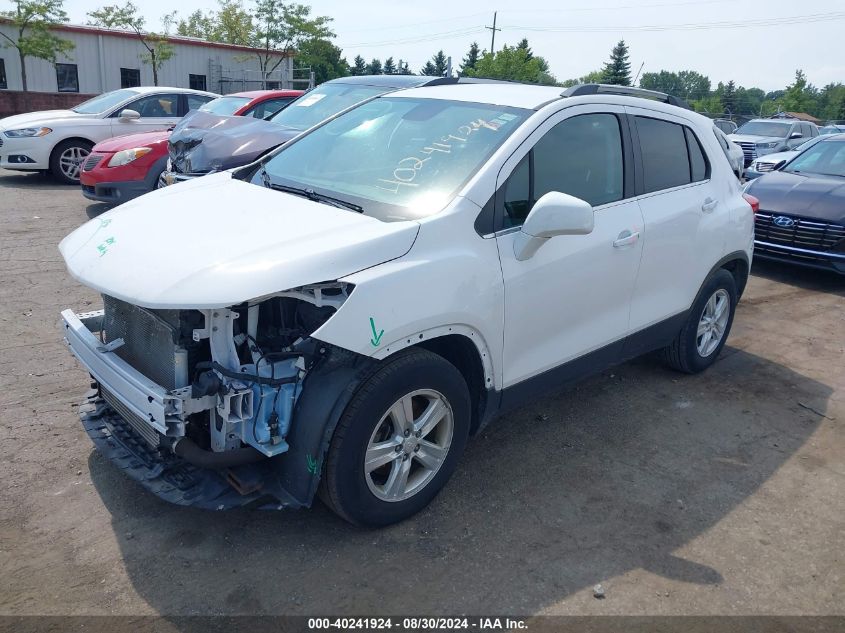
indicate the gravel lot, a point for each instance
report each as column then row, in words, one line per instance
column 722, row 493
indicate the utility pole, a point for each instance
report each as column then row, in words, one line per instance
column 493, row 38
column 449, row 66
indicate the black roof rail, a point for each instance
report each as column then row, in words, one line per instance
column 627, row 91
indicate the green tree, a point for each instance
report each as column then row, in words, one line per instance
column 128, row 17
column 512, row 63
column 324, row 58
column 800, row 96
column 694, row 84
column 281, row 28
column 523, row 44
column 230, row 24
column 471, row 58
column 389, row 66
column 359, row 66
column 374, row 67
column 618, row 70
column 437, row 66
column 32, row 20
column 594, row 77
column 831, row 103
column 663, row 81
column 728, row 97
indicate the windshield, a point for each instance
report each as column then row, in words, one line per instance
column 765, row 128
column 323, row 102
column 224, row 106
column 826, row 159
column 104, row 101
column 399, row 159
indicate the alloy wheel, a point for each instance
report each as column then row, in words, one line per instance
column 409, row 445
column 70, row 161
column 713, row 321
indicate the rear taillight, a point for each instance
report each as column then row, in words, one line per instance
column 754, row 202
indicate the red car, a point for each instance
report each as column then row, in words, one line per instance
column 126, row 167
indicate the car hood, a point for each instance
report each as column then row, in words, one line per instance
column 217, row 241
column 132, row 140
column 776, row 157
column 203, row 142
column 820, row 197
column 45, row 117
column 745, row 138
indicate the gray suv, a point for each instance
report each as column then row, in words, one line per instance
column 759, row 137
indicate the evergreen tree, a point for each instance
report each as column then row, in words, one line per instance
column 471, row 59
column 729, row 97
column 389, row 66
column 374, row 67
column 359, row 66
column 440, row 63
column 523, row 45
column 429, row 70
column 618, row 70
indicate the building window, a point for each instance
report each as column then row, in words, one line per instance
column 130, row 77
column 196, row 82
column 67, row 77
column 3, row 84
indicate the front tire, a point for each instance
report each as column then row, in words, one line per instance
column 67, row 159
column 708, row 325
column 398, row 441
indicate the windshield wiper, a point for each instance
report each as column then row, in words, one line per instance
column 308, row 193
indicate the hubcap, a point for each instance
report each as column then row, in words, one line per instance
column 714, row 320
column 70, row 161
column 409, row 445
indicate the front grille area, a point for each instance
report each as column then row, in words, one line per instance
column 92, row 161
column 761, row 167
column 810, row 235
column 1, row 140
column 749, row 150
column 138, row 424
column 150, row 338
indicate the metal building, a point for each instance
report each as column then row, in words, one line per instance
column 108, row 59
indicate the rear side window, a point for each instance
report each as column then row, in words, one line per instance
column 672, row 155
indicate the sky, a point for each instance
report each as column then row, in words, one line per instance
column 754, row 43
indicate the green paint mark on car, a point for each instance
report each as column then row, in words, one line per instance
column 312, row 464
column 376, row 336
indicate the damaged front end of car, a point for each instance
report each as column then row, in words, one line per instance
column 217, row 408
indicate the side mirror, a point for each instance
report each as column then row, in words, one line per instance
column 554, row 214
column 129, row 115
column 796, row 135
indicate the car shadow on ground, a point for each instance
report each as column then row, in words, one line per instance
column 614, row 474
column 97, row 208
column 31, row 180
column 807, row 278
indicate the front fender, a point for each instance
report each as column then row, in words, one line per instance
column 449, row 283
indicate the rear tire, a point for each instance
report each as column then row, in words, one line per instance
column 67, row 159
column 398, row 441
column 698, row 344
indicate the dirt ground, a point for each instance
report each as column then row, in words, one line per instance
column 722, row 493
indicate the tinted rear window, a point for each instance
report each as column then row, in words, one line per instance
column 664, row 153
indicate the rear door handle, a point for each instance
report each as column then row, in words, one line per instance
column 709, row 204
column 626, row 238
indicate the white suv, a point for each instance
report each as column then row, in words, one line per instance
column 345, row 313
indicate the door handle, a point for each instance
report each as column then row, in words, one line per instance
column 709, row 204
column 626, row 238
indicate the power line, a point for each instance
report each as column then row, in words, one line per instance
column 419, row 38
column 704, row 26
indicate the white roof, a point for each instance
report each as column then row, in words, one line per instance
column 532, row 97
column 505, row 94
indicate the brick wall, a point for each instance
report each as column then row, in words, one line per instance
column 15, row 102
